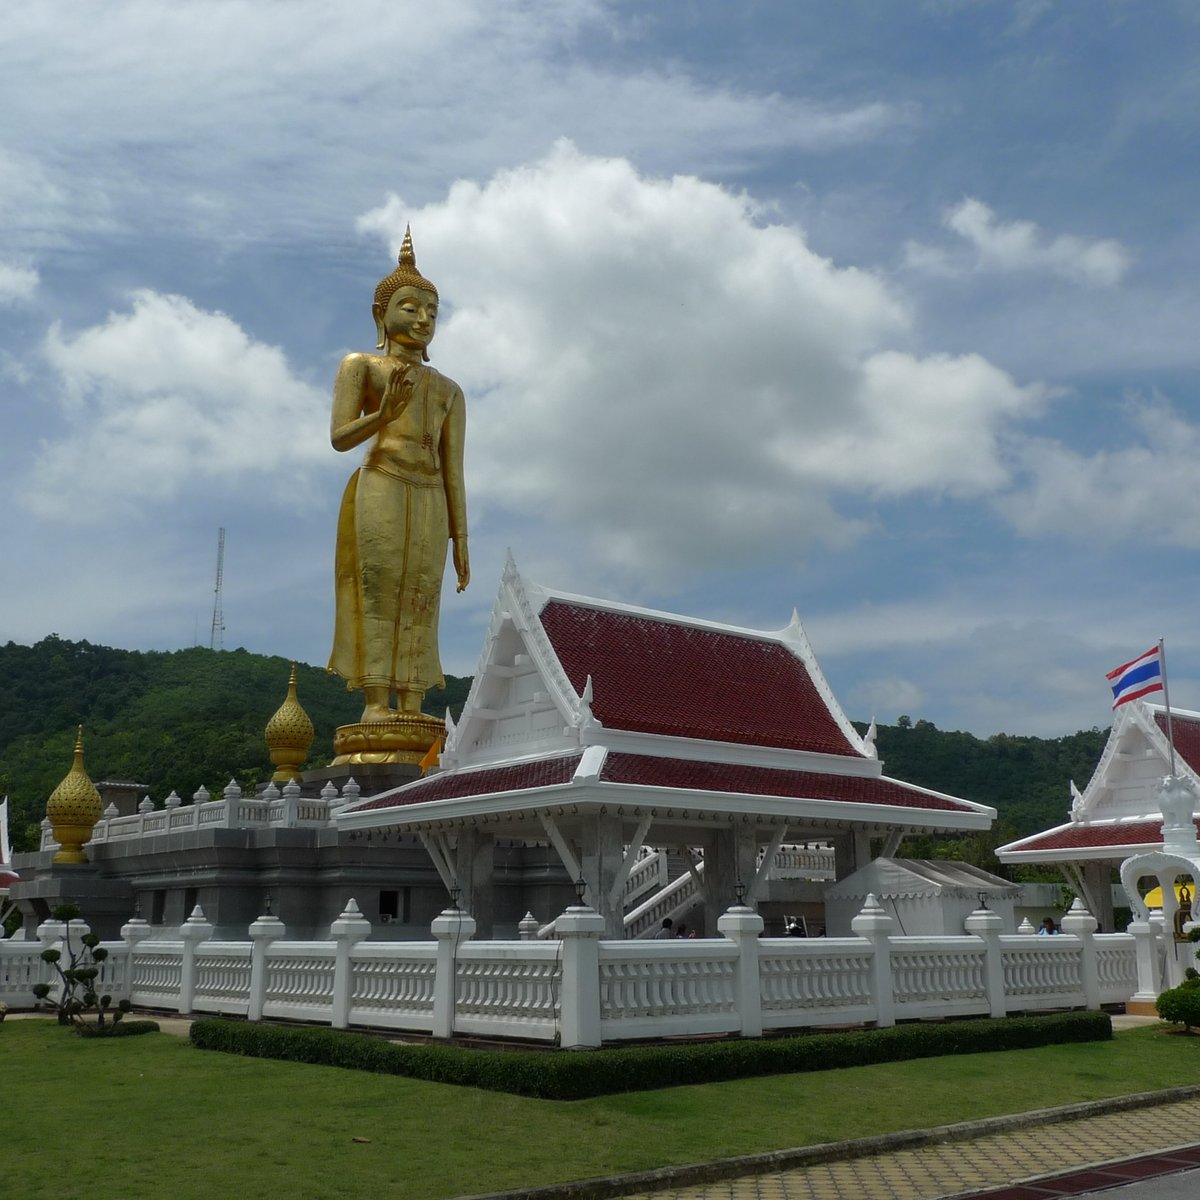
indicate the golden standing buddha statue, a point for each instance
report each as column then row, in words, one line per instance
column 399, row 511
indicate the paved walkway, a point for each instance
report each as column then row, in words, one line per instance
column 1001, row 1166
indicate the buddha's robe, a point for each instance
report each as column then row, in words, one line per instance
column 398, row 512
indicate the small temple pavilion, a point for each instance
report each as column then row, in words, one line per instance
column 1118, row 815
column 600, row 729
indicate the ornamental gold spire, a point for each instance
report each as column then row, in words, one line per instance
column 289, row 735
column 73, row 809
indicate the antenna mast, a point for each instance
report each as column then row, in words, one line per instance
column 217, row 641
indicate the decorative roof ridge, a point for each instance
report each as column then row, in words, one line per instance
column 928, row 791
column 548, row 594
column 795, row 639
column 1031, row 837
column 468, row 769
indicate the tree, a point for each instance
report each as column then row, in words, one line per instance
column 77, row 994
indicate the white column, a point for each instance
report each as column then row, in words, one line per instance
column 451, row 928
column 263, row 931
column 580, row 929
column 193, row 931
column 873, row 924
column 133, row 931
column 988, row 925
column 742, row 926
column 347, row 931
column 1083, row 925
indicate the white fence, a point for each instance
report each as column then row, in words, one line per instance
column 582, row 991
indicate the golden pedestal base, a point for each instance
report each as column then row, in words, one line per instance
column 403, row 739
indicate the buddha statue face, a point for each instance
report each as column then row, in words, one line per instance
column 410, row 318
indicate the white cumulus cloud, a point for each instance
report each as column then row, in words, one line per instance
column 651, row 365
column 167, row 397
column 1017, row 246
column 1022, row 246
column 17, row 284
column 1144, row 489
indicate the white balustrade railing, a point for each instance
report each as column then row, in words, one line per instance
column 230, row 810
column 672, row 901
column 686, row 985
column 822, row 981
column 802, row 862
column 1041, row 971
column 392, row 985
column 947, row 976
column 586, row 990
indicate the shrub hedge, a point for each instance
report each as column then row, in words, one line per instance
column 576, row 1075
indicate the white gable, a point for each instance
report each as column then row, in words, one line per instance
column 1135, row 759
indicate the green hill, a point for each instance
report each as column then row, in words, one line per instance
column 167, row 720
column 191, row 717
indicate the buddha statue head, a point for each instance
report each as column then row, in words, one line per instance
column 405, row 275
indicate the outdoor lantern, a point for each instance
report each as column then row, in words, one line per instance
column 580, row 889
column 739, row 890
column 455, row 892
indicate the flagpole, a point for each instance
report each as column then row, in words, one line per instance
column 1162, row 658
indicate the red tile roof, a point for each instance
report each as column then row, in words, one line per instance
column 542, row 772
column 1187, row 737
column 651, row 675
column 1078, row 837
column 8, row 878
column 769, row 781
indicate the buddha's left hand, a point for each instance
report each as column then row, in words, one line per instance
column 462, row 562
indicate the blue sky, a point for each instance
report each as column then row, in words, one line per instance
column 882, row 312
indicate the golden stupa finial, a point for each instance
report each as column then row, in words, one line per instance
column 289, row 735
column 405, row 274
column 73, row 809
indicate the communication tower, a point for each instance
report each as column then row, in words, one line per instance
column 217, row 642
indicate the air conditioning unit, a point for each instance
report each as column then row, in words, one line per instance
column 386, row 918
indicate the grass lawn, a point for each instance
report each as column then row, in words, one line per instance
column 148, row 1117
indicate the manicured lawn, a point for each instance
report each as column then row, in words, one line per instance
column 150, row 1116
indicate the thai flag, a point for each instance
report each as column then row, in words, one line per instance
column 1137, row 678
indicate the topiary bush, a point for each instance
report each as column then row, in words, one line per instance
column 577, row 1075
column 1181, row 1005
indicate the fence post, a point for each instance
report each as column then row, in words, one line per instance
column 350, row 928
column 50, row 933
column 527, row 928
column 1149, row 979
column 193, row 931
column 742, row 926
column 263, row 931
column 1079, row 922
column 580, row 929
column 873, row 924
column 985, row 924
column 451, row 927
column 134, row 930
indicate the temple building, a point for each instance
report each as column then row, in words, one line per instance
column 660, row 766
column 601, row 730
column 1117, row 815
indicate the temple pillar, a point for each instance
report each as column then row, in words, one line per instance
column 603, row 852
column 731, row 856
column 1097, row 884
column 474, row 870
column 851, row 850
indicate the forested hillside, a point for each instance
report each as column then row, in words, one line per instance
column 168, row 720
column 191, row 717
